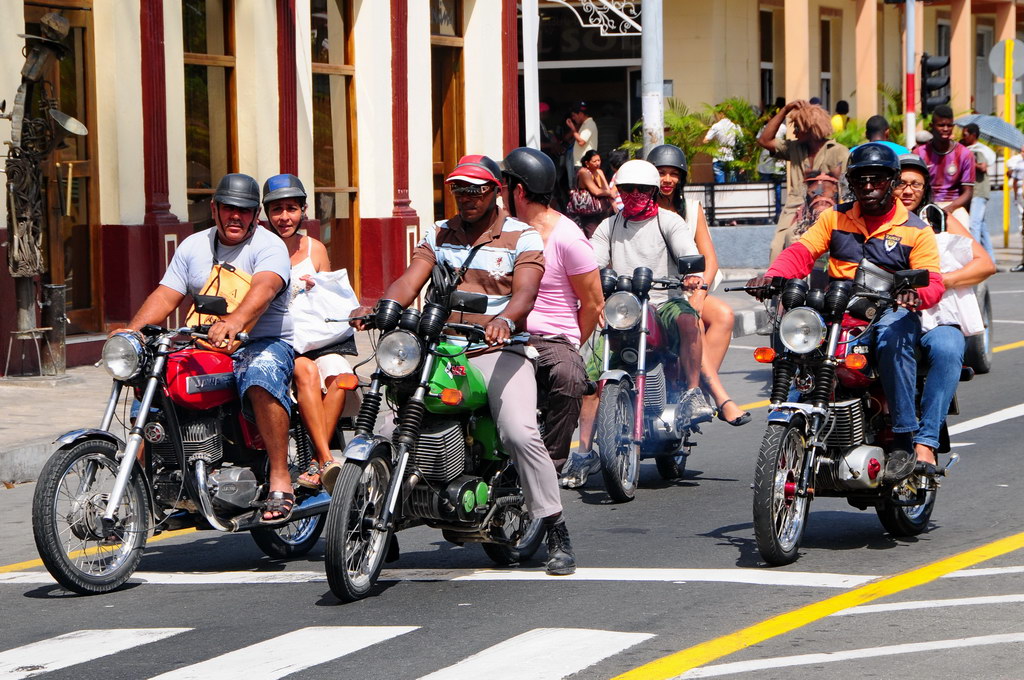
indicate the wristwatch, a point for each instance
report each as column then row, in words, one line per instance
column 511, row 324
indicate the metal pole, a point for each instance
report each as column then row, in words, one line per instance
column 54, row 304
column 531, row 88
column 652, row 56
column 1008, row 116
column 910, row 118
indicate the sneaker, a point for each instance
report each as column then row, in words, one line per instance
column 1017, row 268
column 578, row 468
column 561, row 561
column 693, row 408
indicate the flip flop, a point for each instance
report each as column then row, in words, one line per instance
column 278, row 502
column 310, row 479
column 741, row 419
column 329, row 476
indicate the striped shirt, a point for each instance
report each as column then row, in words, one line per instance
column 508, row 245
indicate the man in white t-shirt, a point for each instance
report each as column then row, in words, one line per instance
column 584, row 134
column 1015, row 167
column 725, row 133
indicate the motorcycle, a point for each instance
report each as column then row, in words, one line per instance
column 638, row 415
column 192, row 459
column 829, row 429
column 443, row 467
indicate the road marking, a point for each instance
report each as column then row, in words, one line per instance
column 755, row 404
column 92, row 551
column 1006, row 321
column 932, row 604
column 831, row 657
column 991, row 419
column 750, row 347
column 541, row 654
column 1012, row 345
column 287, row 654
column 675, row 664
column 1004, row 292
column 75, row 648
column 991, row 571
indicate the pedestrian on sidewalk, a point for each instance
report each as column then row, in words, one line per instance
column 950, row 166
column 984, row 159
column 725, row 133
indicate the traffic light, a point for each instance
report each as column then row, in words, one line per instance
column 932, row 83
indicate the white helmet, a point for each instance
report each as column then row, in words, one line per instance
column 638, row 172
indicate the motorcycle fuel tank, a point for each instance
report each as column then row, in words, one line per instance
column 454, row 372
column 200, row 379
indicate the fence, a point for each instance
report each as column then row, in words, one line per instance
column 740, row 203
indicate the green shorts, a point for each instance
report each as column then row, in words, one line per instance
column 667, row 313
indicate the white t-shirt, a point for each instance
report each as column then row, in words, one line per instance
column 725, row 133
column 588, row 131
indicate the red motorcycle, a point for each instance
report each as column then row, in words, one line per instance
column 192, row 459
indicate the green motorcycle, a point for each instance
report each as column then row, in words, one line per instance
column 442, row 467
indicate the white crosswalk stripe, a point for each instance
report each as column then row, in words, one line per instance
column 275, row 658
column 542, row 654
column 74, row 648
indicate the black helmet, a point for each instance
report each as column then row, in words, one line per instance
column 283, row 186
column 911, row 161
column 238, row 190
column 873, row 155
column 668, row 155
column 532, row 168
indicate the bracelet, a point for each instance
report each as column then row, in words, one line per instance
column 511, row 324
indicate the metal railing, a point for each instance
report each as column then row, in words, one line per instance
column 738, row 203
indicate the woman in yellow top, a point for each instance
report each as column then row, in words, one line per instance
column 842, row 116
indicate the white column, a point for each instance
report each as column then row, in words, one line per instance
column 652, row 52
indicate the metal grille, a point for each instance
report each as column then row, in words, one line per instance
column 440, row 451
column 200, row 439
column 654, row 392
column 845, row 424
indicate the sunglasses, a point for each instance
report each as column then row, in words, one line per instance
column 633, row 188
column 470, row 190
column 870, row 180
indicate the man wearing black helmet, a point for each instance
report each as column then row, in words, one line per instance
column 263, row 367
column 569, row 300
column 878, row 228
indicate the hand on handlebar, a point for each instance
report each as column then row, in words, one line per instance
column 694, row 282
column 909, row 299
column 224, row 332
column 496, row 332
column 759, row 286
column 359, row 323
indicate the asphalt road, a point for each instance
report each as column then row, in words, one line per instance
column 673, row 574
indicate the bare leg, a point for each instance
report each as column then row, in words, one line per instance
column 311, row 406
column 333, row 404
column 588, row 414
column 718, row 320
column 925, row 453
column 272, row 422
column 690, row 349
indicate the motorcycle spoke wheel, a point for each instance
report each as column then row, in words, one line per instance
column 780, row 515
column 290, row 540
column 513, row 522
column 907, row 520
column 78, row 550
column 355, row 549
column 620, row 457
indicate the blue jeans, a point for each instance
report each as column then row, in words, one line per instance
column 979, row 230
column 893, row 341
column 266, row 363
column 721, row 174
column 943, row 351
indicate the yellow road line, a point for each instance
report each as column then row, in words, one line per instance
column 1012, row 345
column 755, row 404
column 91, row 551
column 675, row 664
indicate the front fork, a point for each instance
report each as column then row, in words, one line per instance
column 641, row 377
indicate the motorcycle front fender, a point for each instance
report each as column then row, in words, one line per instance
column 616, row 375
column 69, row 439
column 784, row 413
column 362, row 447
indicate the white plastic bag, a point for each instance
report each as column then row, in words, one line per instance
column 331, row 297
column 959, row 306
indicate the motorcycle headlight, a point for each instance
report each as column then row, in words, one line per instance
column 622, row 310
column 802, row 330
column 399, row 354
column 122, row 356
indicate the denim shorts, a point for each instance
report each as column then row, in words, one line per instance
column 268, row 363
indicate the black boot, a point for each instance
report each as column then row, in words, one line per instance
column 561, row 561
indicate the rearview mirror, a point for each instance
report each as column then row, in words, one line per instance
column 690, row 264
column 211, row 304
column 910, row 278
column 472, row 303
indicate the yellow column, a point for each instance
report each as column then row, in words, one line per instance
column 1006, row 23
column 866, row 59
column 798, row 56
column 961, row 57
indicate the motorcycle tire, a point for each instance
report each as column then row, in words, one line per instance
column 978, row 348
column 290, row 540
column 355, row 550
column 671, row 466
column 507, row 555
column 780, row 520
column 613, row 435
column 906, row 520
column 69, row 500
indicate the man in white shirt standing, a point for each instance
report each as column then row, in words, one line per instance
column 584, row 133
column 1015, row 166
column 725, row 132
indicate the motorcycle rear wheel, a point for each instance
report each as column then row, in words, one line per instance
column 293, row 539
column 355, row 550
column 620, row 457
column 904, row 520
column 672, row 466
column 526, row 546
column 69, row 501
column 780, row 516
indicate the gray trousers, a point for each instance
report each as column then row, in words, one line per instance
column 512, row 397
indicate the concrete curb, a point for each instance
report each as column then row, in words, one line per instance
column 23, row 462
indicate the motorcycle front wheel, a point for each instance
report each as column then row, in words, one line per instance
column 355, row 549
column 613, row 434
column 70, row 499
column 780, row 515
column 293, row 539
column 907, row 520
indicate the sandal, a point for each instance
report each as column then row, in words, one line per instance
column 741, row 419
column 310, row 479
column 280, row 503
column 329, row 475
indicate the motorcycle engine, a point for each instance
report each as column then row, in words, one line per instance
column 200, row 438
column 440, row 454
column 859, row 468
column 233, row 488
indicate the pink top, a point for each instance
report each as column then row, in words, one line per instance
column 949, row 171
column 566, row 253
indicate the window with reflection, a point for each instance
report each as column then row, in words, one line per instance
column 209, row 101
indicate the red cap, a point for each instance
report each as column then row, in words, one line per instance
column 475, row 169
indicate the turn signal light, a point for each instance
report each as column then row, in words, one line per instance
column 764, row 355
column 347, row 381
column 855, row 361
column 451, row 397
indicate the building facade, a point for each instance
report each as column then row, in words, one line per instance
column 369, row 102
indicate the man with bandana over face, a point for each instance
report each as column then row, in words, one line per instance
column 877, row 228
